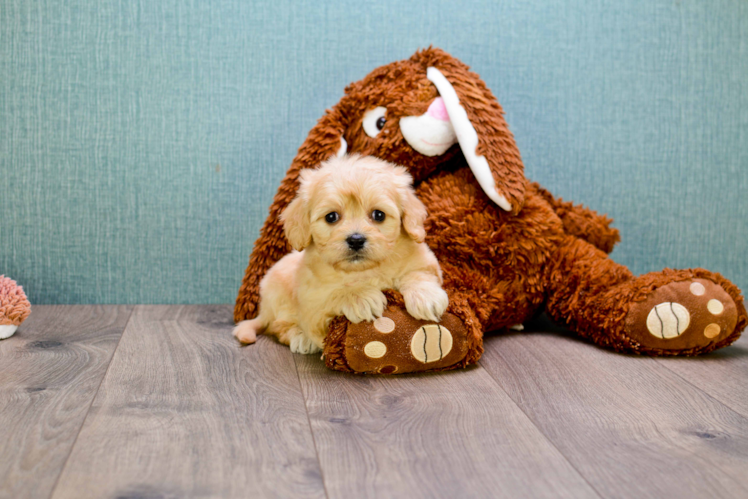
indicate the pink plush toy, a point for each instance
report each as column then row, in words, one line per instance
column 14, row 307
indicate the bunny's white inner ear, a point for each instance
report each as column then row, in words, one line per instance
column 467, row 137
column 343, row 147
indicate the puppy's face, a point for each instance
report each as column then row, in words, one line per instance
column 352, row 211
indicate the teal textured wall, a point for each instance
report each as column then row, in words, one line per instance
column 141, row 141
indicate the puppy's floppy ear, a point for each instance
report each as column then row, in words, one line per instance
column 414, row 212
column 478, row 121
column 296, row 224
column 323, row 141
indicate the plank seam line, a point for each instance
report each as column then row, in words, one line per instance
column 532, row 421
column 699, row 389
column 96, row 393
column 311, row 431
column 715, row 400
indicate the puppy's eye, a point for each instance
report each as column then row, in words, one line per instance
column 374, row 121
column 378, row 215
column 332, row 217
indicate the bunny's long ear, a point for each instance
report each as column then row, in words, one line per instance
column 324, row 140
column 482, row 132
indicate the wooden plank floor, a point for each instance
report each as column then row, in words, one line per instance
column 159, row 401
column 50, row 372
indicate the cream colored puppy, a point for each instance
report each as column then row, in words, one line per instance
column 357, row 228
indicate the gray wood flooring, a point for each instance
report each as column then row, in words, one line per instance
column 160, row 401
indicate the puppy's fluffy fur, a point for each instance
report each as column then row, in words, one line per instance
column 326, row 275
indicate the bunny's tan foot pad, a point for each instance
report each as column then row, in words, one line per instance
column 396, row 343
column 693, row 315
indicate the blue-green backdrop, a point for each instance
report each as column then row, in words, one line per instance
column 141, row 141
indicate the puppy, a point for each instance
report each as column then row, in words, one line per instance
column 356, row 227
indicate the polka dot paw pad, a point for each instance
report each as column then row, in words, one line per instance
column 375, row 349
column 682, row 315
column 398, row 343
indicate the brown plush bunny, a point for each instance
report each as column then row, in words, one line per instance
column 506, row 246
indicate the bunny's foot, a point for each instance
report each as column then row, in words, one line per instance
column 687, row 317
column 397, row 343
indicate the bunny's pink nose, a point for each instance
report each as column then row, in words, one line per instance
column 438, row 110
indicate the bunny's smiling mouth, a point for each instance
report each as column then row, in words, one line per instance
column 436, row 143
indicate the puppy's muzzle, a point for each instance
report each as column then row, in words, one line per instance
column 356, row 241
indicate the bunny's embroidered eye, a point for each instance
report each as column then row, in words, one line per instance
column 378, row 216
column 332, row 218
column 374, row 121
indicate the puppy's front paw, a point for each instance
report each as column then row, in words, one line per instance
column 426, row 301
column 301, row 344
column 366, row 306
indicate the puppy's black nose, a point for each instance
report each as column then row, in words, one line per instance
column 356, row 241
